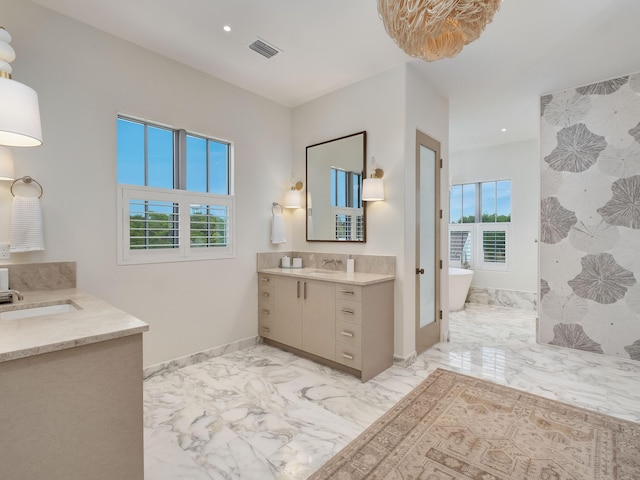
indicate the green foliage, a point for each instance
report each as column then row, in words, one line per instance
column 155, row 230
column 486, row 218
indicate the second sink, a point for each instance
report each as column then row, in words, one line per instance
column 37, row 311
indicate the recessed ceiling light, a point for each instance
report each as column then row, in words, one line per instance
column 226, row 28
column 503, row 130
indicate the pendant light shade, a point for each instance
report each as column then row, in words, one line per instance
column 435, row 29
column 19, row 110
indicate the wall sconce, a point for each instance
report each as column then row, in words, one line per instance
column 293, row 197
column 7, row 171
column 20, row 114
column 373, row 187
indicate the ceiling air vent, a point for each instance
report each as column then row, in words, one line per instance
column 264, row 48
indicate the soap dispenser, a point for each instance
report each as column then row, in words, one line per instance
column 351, row 264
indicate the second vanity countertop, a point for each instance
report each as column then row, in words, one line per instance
column 336, row 276
column 94, row 321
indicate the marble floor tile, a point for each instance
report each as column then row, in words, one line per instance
column 261, row 413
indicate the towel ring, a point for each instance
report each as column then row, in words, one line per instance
column 274, row 205
column 26, row 179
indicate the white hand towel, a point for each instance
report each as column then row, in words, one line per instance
column 277, row 229
column 26, row 225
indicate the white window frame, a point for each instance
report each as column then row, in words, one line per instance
column 183, row 252
column 476, row 230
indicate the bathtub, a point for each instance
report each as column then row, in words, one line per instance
column 459, row 283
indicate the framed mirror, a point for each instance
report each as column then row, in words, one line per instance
column 334, row 208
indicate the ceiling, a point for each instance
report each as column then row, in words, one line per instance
column 532, row 47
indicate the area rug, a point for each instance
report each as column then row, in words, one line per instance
column 453, row 426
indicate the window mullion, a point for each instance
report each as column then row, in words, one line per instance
column 146, row 155
column 478, row 203
column 180, row 160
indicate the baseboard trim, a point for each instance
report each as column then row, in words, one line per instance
column 405, row 361
column 173, row 365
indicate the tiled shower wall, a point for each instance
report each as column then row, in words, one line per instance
column 590, row 218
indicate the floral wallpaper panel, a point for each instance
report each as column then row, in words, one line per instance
column 590, row 218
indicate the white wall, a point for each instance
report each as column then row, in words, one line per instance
column 518, row 162
column 84, row 77
column 389, row 106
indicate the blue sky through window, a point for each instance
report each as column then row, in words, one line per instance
column 157, row 169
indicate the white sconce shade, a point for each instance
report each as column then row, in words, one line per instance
column 292, row 199
column 372, row 189
column 7, row 171
column 19, row 115
column 19, row 110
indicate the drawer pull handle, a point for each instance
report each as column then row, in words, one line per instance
column 348, row 356
column 348, row 312
column 265, row 294
column 348, row 292
column 266, row 312
column 265, row 329
column 347, row 334
column 265, row 279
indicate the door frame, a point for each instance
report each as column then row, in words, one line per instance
column 425, row 339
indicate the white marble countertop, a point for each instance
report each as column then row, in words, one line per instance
column 336, row 276
column 94, row 321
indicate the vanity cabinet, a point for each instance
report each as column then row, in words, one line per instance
column 343, row 325
column 298, row 313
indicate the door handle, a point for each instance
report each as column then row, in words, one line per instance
column 420, row 271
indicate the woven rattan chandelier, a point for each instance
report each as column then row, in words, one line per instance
column 435, row 29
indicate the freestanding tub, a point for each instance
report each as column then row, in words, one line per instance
column 459, row 283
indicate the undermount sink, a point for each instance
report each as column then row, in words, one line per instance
column 30, row 312
column 323, row 272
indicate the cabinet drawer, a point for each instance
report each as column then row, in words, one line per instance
column 349, row 355
column 266, row 313
column 266, row 294
column 348, row 333
column 265, row 329
column 266, row 280
column 348, row 292
column 347, row 311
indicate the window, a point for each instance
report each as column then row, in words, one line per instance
column 174, row 195
column 479, row 225
column 346, row 203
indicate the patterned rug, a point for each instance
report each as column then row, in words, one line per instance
column 453, row 426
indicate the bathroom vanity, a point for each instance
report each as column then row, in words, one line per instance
column 344, row 320
column 70, row 388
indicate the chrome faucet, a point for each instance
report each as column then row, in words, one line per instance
column 335, row 261
column 9, row 295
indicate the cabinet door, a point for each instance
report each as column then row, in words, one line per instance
column 318, row 319
column 287, row 324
